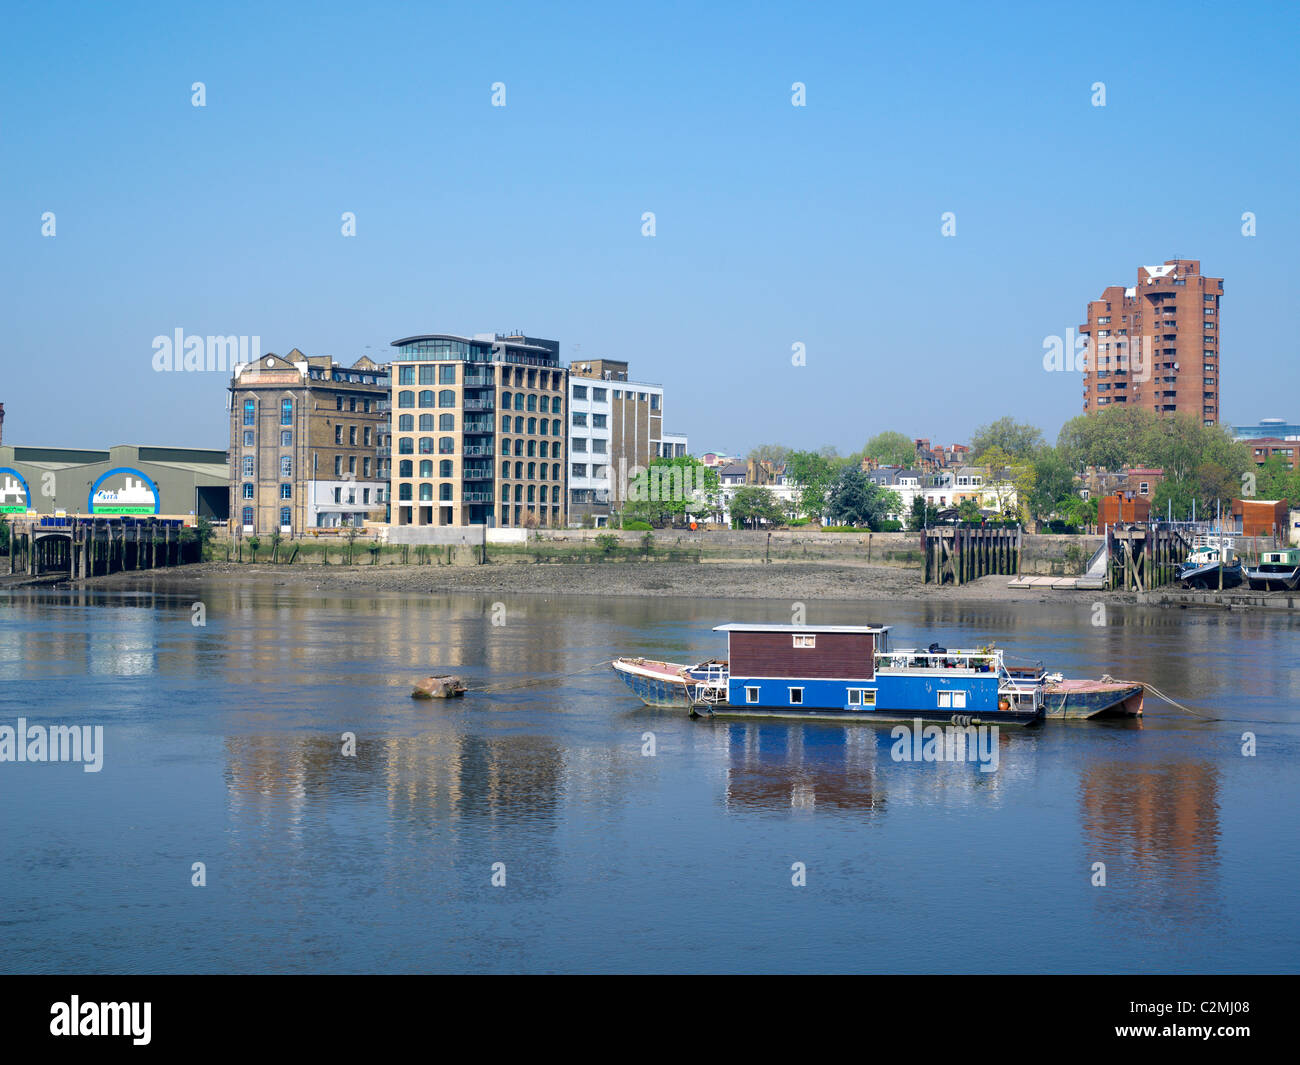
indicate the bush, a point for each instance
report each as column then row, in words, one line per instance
column 607, row 542
column 890, row 526
column 637, row 526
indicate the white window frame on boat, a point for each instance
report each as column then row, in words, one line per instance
column 751, row 694
column 805, row 641
column 952, row 700
column 862, row 696
column 799, row 700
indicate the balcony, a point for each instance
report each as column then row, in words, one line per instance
column 483, row 473
column 480, row 450
column 480, row 404
column 479, row 381
column 477, row 497
column 479, row 425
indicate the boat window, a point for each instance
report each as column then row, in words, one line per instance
column 796, row 696
column 805, row 641
column 862, row 697
column 751, row 695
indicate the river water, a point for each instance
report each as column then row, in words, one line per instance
column 223, row 744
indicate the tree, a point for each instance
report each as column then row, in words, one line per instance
column 1011, row 481
column 891, row 501
column 969, row 510
column 1053, row 483
column 890, row 449
column 813, row 473
column 670, row 489
column 923, row 515
column 774, row 453
column 1174, row 495
column 1276, row 480
column 1020, row 440
column 752, row 505
column 854, row 499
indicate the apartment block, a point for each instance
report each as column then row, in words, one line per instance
column 1156, row 344
column 616, row 428
column 479, row 431
column 308, row 443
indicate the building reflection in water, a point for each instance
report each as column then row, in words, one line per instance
column 1162, row 823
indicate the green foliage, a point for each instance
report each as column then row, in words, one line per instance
column 890, row 449
column 1274, row 480
column 607, row 542
column 253, row 545
column 4, row 535
column 1178, row 491
column 648, row 544
column 890, row 525
column 752, row 505
column 1053, row 483
column 855, row 499
column 814, row 473
column 637, row 526
column 671, row 489
column 923, row 515
column 969, row 510
column 1019, row 440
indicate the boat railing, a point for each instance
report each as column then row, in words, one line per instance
column 977, row 661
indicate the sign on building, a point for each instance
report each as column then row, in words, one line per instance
column 124, row 491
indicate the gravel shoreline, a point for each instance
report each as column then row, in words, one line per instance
column 723, row 580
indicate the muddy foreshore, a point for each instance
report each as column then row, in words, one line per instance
column 725, row 580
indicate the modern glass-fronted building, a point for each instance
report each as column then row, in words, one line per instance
column 479, row 433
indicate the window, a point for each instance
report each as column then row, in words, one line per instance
column 599, row 421
column 579, row 444
column 247, row 492
column 248, row 465
column 751, row 695
column 805, row 641
column 367, row 436
column 286, row 491
column 405, row 446
column 405, row 376
column 446, row 423
column 250, row 411
column 406, row 399
column 532, row 402
column 352, row 436
column 505, row 424
column 579, row 419
column 598, row 445
column 286, row 468
column 426, row 398
column 954, row 700
column 365, row 468
column 579, row 391
column 338, row 402
column 286, row 438
column 446, row 445
column 286, row 412
column 796, row 696
column 248, row 517
column 447, row 374
column 444, row 492
column 426, row 375
column 579, row 469
column 404, row 468
column 862, row 696
column 654, row 401
column 444, row 468
column 555, row 471
column 406, row 423
column 248, row 438
column 426, row 445
column 426, row 493
column 446, row 398
column 598, row 395
column 519, row 425
column 403, row 493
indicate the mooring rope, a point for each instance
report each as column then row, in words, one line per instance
column 1175, row 703
column 539, row 680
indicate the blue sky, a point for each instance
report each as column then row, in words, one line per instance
column 775, row 225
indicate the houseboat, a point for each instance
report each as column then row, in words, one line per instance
column 844, row 672
column 1277, row 570
column 1212, row 563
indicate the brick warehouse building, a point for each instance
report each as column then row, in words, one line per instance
column 479, row 431
column 308, row 441
column 1170, row 321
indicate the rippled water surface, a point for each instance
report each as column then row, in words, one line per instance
column 223, row 746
